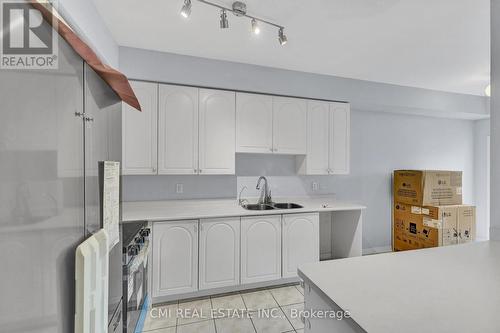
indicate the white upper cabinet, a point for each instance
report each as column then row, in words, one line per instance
column 219, row 252
column 175, row 257
column 328, row 139
column 289, row 125
column 340, row 138
column 178, row 130
column 139, row 131
column 300, row 241
column 254, row 123
column 260, row 248
column 190, row 131
column 318, row 138
column 217, row 132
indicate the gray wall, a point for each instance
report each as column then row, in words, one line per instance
column 381, row 142
column 495, row 120
column 363, row 95
column 84, row 18
column 403, row 136
column 481, row 179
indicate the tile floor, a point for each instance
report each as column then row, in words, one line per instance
column 240, row 312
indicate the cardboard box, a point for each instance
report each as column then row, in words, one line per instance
column 466, row 224
column 417, row 227
column 427, row 187
column 445, row 220
column 407, row 228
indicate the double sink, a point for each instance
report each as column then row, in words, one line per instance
column 283, row 205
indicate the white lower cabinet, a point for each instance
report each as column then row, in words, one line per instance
column 300, row 241
column 175, row 257
column 219, row 252
column 227, row 252
column 260, row 248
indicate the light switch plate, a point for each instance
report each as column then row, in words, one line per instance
column 179, row 188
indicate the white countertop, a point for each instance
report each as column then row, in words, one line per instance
column 446, row 289
column 211, row 208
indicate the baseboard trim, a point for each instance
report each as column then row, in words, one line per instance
column 223, row 290
column 377, row 249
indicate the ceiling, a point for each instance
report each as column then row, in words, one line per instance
column 434, row 44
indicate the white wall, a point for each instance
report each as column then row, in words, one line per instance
column 390, row 130
column 363, row 95
column 381, row 142
column 495, row 120
column 83, row 17
column 481, row 179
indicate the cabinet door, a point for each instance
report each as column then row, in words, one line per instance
column 217, row 132
column 139, row 132
column 260, row 248
column 289, row 125
column 177, row 130
column 254, row 123
column 318, row 135
column 340, row 138
column 175, row 257
column 300, row 241
column 219, row 253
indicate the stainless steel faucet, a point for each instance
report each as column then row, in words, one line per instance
column 265, row 193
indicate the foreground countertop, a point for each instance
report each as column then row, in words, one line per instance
column 446, row 289
column 197, row 209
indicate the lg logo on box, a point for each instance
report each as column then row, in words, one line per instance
column 28, row 42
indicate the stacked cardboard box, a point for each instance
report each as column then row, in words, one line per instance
column 428, row 210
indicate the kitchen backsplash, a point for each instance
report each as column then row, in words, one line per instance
column 279, row 170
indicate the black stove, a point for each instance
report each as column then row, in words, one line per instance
column 135, row 252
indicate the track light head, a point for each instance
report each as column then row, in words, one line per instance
column 239, row 9
column 255, row 27
column 186, row 9
column 224, row 23
column 282, row 37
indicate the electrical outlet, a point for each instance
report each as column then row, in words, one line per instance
column 179, row 188
column 315, row 186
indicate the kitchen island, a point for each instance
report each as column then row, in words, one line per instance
column 445, row 289
column 203, row 247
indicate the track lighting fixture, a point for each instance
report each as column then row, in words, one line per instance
column 282, row 37
column 186, row 9
column 224, row 23
column 239, row 9
column 255, row 27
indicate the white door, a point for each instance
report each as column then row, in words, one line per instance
column 177, row 130
column 175, row 257
column 300, row 241
column 217, row 132
column 318, row 135
column 289, row 125
column 139, row 131
column 340, row 138
column 219, row 253
column 260, row 248
column 254, row 123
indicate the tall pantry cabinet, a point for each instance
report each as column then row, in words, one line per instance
column 56, row 124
